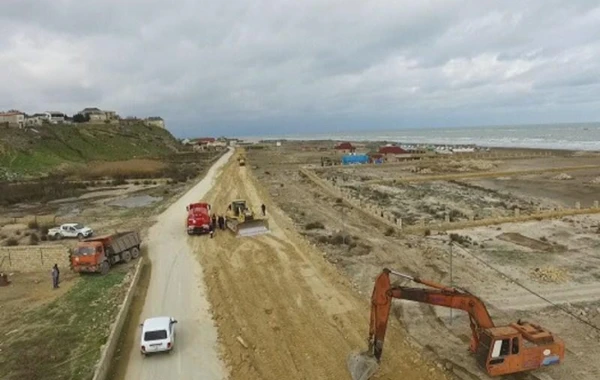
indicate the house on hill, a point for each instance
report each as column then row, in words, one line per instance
column 96, row 114
column 156, row 121
column 13, row 118
column 345, row 147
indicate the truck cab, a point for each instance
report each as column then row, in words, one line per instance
column 198, row 218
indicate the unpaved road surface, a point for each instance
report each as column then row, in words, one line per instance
column 176, row 289
column 282, row 311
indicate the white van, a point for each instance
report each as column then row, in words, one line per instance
column 158, row 334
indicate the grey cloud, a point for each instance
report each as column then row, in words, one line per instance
column 272, row 65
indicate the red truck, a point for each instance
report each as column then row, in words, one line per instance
column 100, row 253
column 198, row 218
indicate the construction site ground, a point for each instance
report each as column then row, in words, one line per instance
column 557, row 259
column 282, row 310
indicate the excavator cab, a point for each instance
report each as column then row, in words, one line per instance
column 521, row 346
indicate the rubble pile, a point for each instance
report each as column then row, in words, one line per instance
column 595, row 180
column 562, row 177
column 549, row 274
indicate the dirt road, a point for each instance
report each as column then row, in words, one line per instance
column 282, row 311
column 176, row 289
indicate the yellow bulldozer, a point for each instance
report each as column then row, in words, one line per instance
column 241, row 161
column 243, row 221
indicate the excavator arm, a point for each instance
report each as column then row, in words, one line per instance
column 438, row 295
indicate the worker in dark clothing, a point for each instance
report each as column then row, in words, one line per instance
column 211, row 230
column 55, row 276
column 264, row 209
column 214, row 221
column 221, row 222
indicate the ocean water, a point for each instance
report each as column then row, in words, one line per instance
column 550, row 136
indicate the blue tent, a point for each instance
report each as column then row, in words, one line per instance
column 353, row 159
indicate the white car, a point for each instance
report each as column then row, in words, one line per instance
column 158, row 334
column 70, row 230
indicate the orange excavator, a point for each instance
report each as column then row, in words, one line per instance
column 504, row 350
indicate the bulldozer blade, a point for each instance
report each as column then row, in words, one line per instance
column 361, row 365
column 252, row 228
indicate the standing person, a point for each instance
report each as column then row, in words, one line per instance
column 264, row 209
column 211, row 230
column 221, row 222
column 214, row 221
column 55, row 274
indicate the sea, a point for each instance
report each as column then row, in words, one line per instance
column 543, row 136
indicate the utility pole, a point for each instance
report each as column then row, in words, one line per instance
column 451, row 279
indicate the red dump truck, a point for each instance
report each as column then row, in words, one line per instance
column 100, row 253
column 198, row 218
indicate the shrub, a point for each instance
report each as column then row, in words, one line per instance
column 389, row 231
column 18, row 232
column 33, row 225
column 44, row 230
column 427, row 232
column 44, row 238
column 338, row 200
column 11, row 242
column 118, row 180
column 34, row 239
column 460, row 239
column 146, row 182
column 314, row 226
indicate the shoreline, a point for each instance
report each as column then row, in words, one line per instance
column 361, row 143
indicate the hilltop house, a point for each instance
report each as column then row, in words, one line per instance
column 13, row 118
column 96, row 114
column 155, row 121
column 56, row 117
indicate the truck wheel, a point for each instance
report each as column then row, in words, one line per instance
column 135, row 252
column 104, row 268
column 80, row 237
column 57, row 236
column 126, row 256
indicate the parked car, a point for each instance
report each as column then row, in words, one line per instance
column 158, row 335
column 70, row 230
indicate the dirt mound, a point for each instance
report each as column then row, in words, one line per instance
column 562, row 177
column 517, row 238
column 549, row 274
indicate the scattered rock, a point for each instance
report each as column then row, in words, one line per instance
column 549, row 274
column 239, row 339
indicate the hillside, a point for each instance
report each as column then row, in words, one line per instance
column 35, row 151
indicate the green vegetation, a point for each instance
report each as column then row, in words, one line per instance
column 41, row 149
column 62, row 339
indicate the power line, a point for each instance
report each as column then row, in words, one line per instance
column 529, row 290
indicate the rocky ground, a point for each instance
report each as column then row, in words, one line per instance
column 556, row 259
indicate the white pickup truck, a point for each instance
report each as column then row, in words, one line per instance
column 70, row 230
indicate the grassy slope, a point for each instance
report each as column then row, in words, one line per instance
column 62, row 339
column 28, row 152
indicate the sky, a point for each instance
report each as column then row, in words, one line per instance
column 238, row 67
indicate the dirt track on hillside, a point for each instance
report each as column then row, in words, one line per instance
column 281, row 310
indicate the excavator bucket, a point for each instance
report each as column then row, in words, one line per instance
column 361, row 365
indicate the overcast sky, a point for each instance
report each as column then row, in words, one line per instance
column 287, row 66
